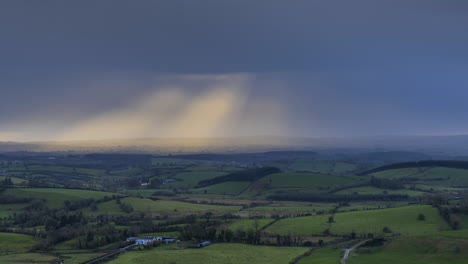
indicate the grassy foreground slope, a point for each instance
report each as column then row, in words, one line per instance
column 225, row 253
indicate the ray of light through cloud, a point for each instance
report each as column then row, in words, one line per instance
column 221, row 108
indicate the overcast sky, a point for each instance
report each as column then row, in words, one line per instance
column 116, row 69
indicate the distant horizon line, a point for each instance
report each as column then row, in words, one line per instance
column 234, row 137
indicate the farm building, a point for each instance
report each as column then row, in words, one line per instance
column 144, row 241
column 149, row 240
column 163, row 238
column 167, row 181
column 204, row 244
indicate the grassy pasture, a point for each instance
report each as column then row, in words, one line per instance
column 15, row 180
column 231, row 188
column 145, row 192
column 15, row 243
column 399, row 173
column 8, row 209
column 191, row 179
column 55, row 197
column 127, row 172
column 375, row 190
column 225, row 253
column 437, row 176
column 28, row 258
column 246, row 224
column 415, row 250
column 326, row 255
column 429, row 188
column 307, row 180
column 402, row 220
column 50, row 168
column 322, row 166
column 307, row 225
column 291, row 208
column 362, row 206
column 454, row 234
column 162, row 206
column 171, row 162
column 80, row 257
column 212, row 168
column 66, row 169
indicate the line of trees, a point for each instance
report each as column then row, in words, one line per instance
column 458, row 164
column 245, row 175
column 449, row 217
column 328, row 197
column 386, row 183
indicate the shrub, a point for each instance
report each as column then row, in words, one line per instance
column 421, row 217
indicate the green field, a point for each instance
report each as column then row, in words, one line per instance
column 307, row 225
column 161, row 206
column 170, row 162
column 400, row 220
column 322, row 166
column 225, row 253
column 375, row 190
column 127, row 172
column 212, row 168
column 307, row 180
column 15, row 243
column 455, row 233
column 399, row 173
column 292, row 208
column 437, row 176
column 56, row 197
column 232, row 188
column 191, row 179
column 9, row 209
column 246, row 224
column 415, row 250
column 362, row 206
column 65, row 169
column 28, row 258
column 326, row 255
column 14, row 180
column 79, row 258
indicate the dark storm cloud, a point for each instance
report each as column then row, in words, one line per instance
column 228, row 36
column 338, row 67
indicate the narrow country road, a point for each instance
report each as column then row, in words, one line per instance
column 348, row 250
